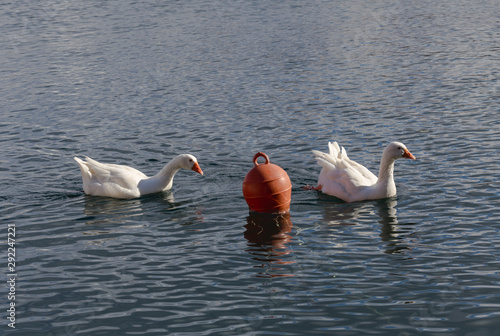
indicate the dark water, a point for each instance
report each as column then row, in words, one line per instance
column 138, row 82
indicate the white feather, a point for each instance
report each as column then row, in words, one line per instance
column 351, row 181
column 118, row 181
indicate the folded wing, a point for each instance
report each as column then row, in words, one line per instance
column 341, row 176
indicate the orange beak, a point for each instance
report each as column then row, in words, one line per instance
column 196, row 168
column 408, row 155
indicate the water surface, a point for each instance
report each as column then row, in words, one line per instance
column 137, row 83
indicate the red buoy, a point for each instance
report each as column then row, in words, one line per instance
column 267, row 187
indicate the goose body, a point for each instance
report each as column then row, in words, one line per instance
column 350, row 181
column 118, row 181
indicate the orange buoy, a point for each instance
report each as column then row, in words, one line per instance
column 267, row 187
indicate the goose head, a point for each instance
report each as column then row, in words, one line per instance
column 397, row 150
column 188, row 161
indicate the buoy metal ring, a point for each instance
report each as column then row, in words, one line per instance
column 260, row 154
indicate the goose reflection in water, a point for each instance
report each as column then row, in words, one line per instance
column 268, row 237
column 107, row 210
column 392, row 232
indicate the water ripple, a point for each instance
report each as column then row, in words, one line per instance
column 139, row 83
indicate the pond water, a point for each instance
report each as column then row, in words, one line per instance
column 138, row 82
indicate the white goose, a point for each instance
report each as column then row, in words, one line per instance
column 348, row 180
column 111, row 180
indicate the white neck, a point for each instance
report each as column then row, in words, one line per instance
column 386, row 175
column 161, row 181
